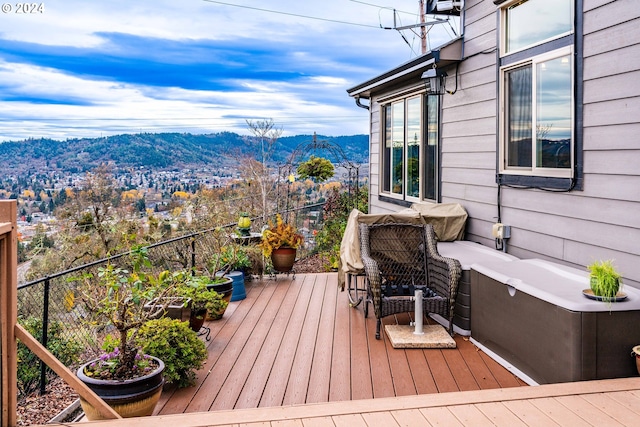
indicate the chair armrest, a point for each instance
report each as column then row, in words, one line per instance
column 444, row 273
column 372, row 271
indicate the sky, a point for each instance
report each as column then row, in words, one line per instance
column 79, row 68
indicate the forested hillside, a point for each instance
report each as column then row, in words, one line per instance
column 161, row 151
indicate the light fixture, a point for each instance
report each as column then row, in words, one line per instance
column 434, row 81
column 442, row 7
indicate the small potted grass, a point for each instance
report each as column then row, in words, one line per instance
column 604, row 280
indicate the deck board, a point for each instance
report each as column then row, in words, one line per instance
column 319, row 381
column 281, row 371
column 296, row 340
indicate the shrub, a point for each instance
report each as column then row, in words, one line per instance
column 173, row 342
column 63, row 348
column 336, row 213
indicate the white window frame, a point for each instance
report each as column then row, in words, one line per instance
column 384, row 103
column 534, row 170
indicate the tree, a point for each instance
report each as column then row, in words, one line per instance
column 260, row 171
column 94, row 223
column 318, row 169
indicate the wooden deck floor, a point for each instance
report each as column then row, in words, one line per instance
column 294, row 354
column 297, row 341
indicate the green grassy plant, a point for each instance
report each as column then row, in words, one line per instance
column 604, row 279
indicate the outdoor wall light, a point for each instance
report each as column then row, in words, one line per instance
column 434, row 81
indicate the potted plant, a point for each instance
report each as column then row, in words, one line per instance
column 203, row 301
column 635, row 353
column 280, row 242
column 216, row 266
column 604, row 280
column 236, row 261
column 177, row 345
column 116, row 297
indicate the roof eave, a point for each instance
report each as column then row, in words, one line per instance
column 443, row 56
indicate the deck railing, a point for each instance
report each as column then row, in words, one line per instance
column 8, row 281
column 47, row 308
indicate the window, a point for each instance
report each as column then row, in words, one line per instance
column 409, row 154
column 531, row 22
column 538, row 98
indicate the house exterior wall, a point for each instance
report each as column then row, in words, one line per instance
column 599, row 221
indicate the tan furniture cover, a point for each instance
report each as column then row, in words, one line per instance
column 448, row 220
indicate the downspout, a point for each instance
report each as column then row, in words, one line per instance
column 360, row 104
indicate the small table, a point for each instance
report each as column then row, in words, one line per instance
column 252, row 238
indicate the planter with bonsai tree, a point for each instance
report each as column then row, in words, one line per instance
column 280, row 242
column 124, row 377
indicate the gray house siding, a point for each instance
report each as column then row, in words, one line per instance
column 599, row 221
column 469, row 125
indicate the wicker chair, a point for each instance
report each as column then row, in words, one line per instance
column 395, row 265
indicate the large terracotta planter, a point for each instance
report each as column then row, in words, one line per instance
column 129, row 398
column 283, row 259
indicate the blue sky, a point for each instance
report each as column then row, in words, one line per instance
column 78, row 68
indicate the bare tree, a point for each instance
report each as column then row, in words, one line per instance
column 261, row 171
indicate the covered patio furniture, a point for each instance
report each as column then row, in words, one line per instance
column 401, row 258
column 448, row 220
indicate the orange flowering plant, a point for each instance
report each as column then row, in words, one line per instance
column 280, row 235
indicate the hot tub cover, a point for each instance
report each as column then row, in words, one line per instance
column 448, row 220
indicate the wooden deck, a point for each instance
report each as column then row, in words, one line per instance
column 297, row 341
column 294, row 354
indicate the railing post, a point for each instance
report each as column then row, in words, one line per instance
column 193, row 254
column 45, row 335
column 8, row 311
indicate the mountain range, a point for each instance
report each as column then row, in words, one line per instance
column 167, row 151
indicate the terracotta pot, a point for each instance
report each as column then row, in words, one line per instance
column 196, row 320
column 130, row 398
column 283, row 259
column 636, row 353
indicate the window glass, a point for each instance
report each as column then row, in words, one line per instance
column 519, row 117
column 431, row 149
column 397, row 147
column 386, row 151
column 532, row 21
column 553, row 113
column 409, row 153
column 414, row 141
column 539, row 113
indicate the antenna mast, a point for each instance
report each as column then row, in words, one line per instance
column 423, row 28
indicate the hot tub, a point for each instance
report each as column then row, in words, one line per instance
column 467, row 253
column 532, row 314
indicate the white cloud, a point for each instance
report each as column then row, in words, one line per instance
column 65, row 75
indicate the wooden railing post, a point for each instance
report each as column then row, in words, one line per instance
column 8, row 311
